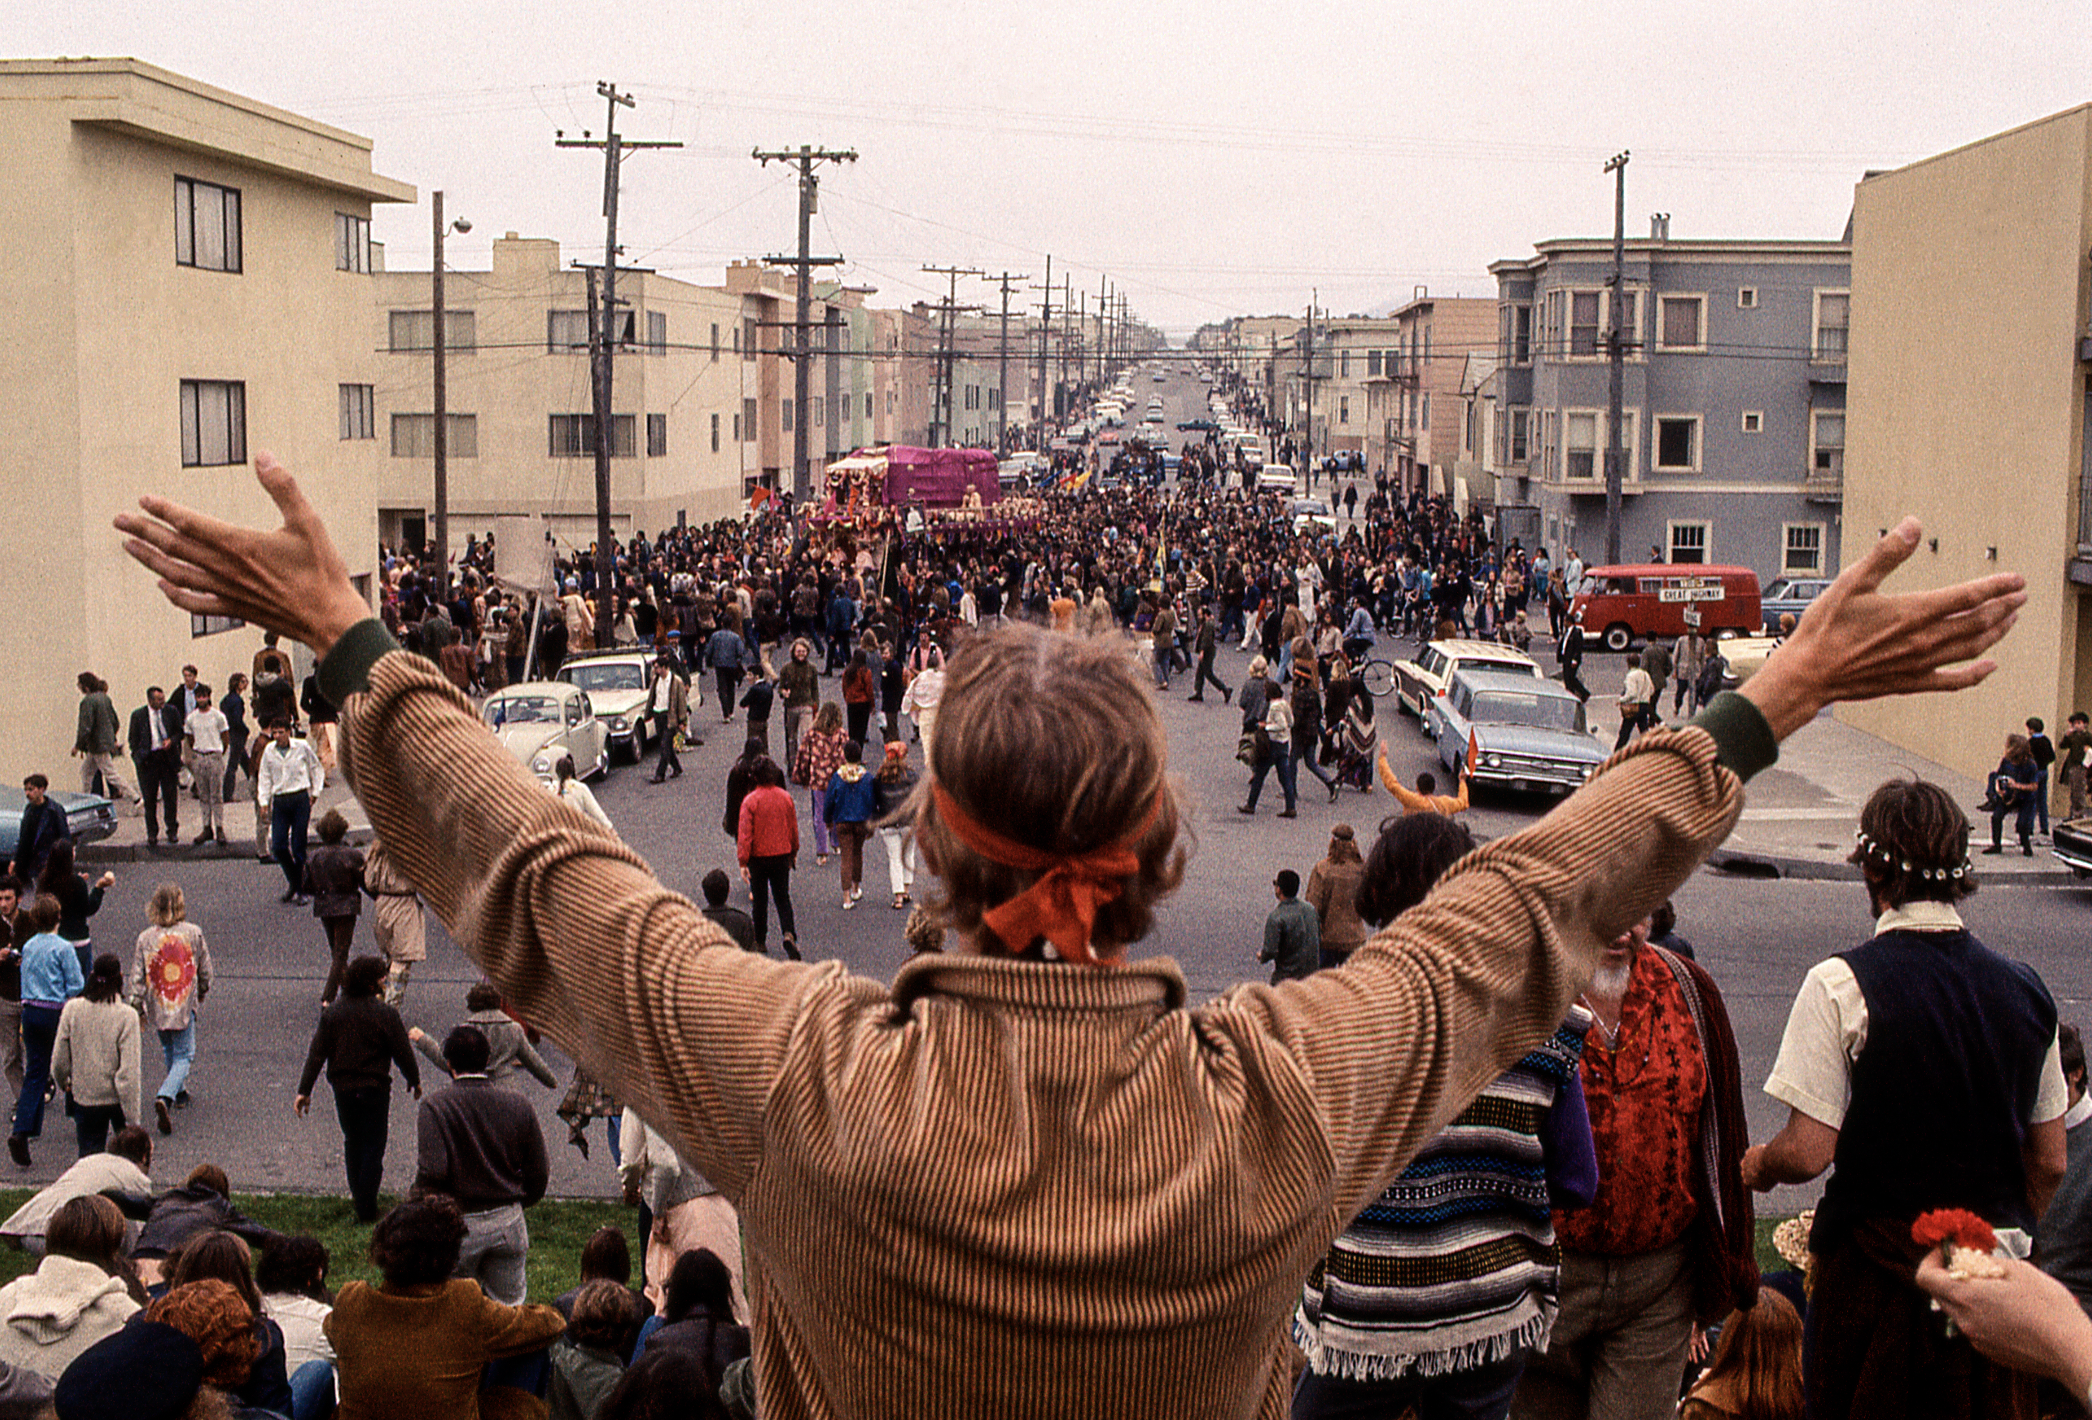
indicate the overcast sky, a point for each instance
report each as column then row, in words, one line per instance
column 1212, row 158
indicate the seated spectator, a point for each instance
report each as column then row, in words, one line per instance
column 415, row 1344
column 292, row 1279
column 697, row 1315
column 221, row 1257
column 214, row 1315
column 507, row 1046
column 665, row 1385
column 1755, row 1371
column 607, row 1257
column 202, row 1204
column 123, row 1169
column 147, row 1370
column 586, row 1362
column 79, row 1293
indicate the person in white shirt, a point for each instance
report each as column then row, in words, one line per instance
column 567, row 785
column 290, row 779
column 205, row 730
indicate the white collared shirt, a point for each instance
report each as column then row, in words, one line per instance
column 286, row 770
column 1827, row 1029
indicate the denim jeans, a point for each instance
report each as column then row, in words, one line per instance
column 92, row 1124
column 770, row 875
column 312, row 1391
column 39, row 1037
column 288, row 816
column 1281, row 760
column 178, row 1050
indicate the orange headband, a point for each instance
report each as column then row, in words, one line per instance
column 1062, row 905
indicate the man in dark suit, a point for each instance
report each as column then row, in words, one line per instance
column 156, row 737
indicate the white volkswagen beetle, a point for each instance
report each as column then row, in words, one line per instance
column 539, row 721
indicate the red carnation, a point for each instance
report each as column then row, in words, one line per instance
column 1953, row 1225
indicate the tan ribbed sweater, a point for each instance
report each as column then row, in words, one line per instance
column 1007, row 1188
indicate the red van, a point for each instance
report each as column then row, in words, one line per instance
column 1622, row 605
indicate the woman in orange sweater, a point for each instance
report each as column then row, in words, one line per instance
column 768, row 847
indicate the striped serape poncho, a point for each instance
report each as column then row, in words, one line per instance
column 1456, row 1264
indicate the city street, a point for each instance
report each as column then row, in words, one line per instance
column 1757, row 937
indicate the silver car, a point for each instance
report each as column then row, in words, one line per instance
column 541, row 720
column 617, row 683
column 1515, row 732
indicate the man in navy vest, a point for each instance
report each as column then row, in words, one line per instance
column 1922, row 1069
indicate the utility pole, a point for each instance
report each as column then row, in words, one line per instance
column 1308, row 374
column 1616, row 350
column 948, row 315
column 1045, row 347
column 809, row 196
column 1103, row 286
column 1067, row 323
column 600, row 346
column 1002, row 361
column 441, row 390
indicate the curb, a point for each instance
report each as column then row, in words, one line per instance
column 179, row 853
column 1750, row 864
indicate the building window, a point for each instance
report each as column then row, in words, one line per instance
column 1344, row 364
column 359, row 418
column 201, row 625
column 1688, row 542
column 715, row 340
column 737, row 429
column 784, row 416
column 1678, row 442
column 1580, row 451
column 1372, row 364
column 1833, row 324
column 414, row 436
column 1827, row 442
column 715, row 427
column 206, row 225
column 818, row 407
column 1746, row 298
column 416, row 330
column 1583, row 322
column 566, row 331
column 1753, row 421
column 747, row 345
column 1522, row 335
column 214, row 423
column 657, row 436
column 657, row 332
column 351, row 243
column 1521, row 427
column 1803, row 551
column 574, row 436
column 1425, row 417
column 1343, row 409
column 1680, row 323
column 748, row 421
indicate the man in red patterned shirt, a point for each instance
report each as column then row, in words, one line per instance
column 1668, row 1239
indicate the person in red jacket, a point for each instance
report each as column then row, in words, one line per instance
column 768, row 847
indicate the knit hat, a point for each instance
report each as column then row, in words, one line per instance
column 896, row 749
column 217, row 1319
column 145, row 1371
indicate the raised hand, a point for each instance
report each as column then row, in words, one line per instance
column 291, row 581
column 1857, row 642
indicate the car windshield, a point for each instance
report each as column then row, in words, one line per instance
column 1495, row 667
column 1778, row 590
column 522, row 710
column 613, row 675
column 1545, row 712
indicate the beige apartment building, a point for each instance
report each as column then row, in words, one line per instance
column 687, row 398
column 201, row 291
column 1347, row 352
column 1969, row 406
column 1415, row 415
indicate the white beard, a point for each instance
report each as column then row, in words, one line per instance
column 1611, row 981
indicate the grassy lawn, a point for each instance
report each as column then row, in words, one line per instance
column 558, row 1229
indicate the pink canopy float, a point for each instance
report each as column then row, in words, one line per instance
column 900, row 474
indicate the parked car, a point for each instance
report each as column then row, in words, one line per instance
column 1277, row 478
column 89, row 818
column 1629, row 603
column 2072, row 843
column 1789, row 594
column 540, row 720
column 1312, row 512
column 1515, row 732
column 617, row 683
column 1197, row 426
column 1420, row 681
column 1745, row 655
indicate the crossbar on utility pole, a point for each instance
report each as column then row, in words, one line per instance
column 1002, row 361
column 805, row 159
column 600, row 344
column 1616, row 352
column 947, row 318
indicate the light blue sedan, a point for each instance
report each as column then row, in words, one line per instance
column 1525, row 734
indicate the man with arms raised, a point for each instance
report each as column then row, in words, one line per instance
column 1027, row 1179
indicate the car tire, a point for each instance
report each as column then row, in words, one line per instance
column 1618, row 638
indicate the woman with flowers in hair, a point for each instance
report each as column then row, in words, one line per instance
column 1027, row 1178
column 1922, row 1070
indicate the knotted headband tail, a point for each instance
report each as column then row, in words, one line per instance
column 1062, row 905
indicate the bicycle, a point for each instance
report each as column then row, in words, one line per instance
column 1378, row 676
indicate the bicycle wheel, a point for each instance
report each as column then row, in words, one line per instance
column 1379, row 676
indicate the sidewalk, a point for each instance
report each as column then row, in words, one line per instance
column 1801, row 814
column 127, row 844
